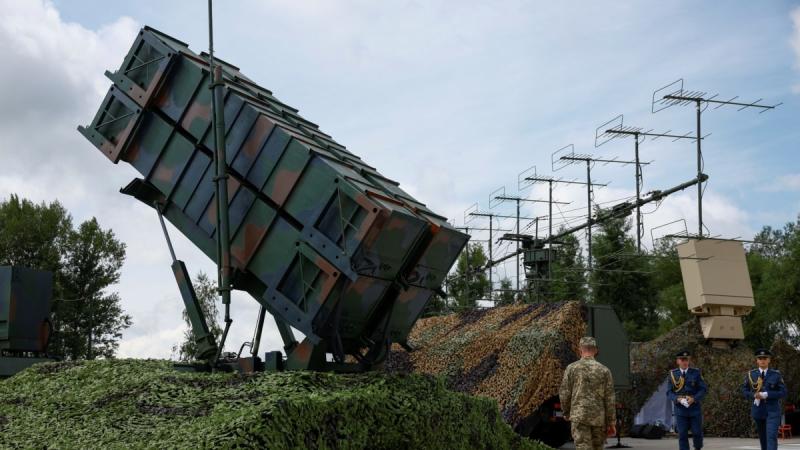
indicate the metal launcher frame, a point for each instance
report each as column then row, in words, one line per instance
column 324, row 242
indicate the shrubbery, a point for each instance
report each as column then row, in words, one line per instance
column 148, row 404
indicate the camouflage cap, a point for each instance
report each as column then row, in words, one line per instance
column 588, row 341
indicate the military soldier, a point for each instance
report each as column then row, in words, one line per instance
column 587, row 398
column 764, row 387
column 686, row 392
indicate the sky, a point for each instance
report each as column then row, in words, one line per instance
column 452, row 99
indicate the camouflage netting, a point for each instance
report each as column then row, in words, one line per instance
column 147, row 404
column 726, row 412
column 514, row 354
column 787, row 359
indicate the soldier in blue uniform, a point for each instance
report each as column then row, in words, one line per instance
column 686, row 392
column 764, row 387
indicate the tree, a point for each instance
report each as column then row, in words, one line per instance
column 621, row 279
column 568, row 271
column 763, row 324
column 437, row 305
column 87, row 318
column 468, row 283
column 668, row 284
column 773, row 261
column 506, row 294
column 206, row 291
column 33, row 235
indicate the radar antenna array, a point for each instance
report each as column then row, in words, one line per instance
column 674, row 94
column 617, row 129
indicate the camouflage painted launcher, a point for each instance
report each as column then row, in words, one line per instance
column 326, row 243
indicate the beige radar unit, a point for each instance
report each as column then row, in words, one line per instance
column 717, row 286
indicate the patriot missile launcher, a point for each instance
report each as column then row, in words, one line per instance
column 324, row 242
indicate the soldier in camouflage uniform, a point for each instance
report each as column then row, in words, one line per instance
column 587, row 399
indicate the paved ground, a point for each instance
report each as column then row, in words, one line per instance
column 670, row 443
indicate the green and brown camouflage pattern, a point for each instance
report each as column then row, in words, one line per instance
column 325, row 242
column 587, row 393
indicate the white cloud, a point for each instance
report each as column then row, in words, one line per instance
column 151, row 345
column 54, row 63
column 783, row 183
column 54, row 81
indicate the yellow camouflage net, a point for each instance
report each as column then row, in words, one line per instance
column 514, row 354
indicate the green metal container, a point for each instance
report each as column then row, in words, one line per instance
column 25, row 296
column 604, row 325
column 320, row 238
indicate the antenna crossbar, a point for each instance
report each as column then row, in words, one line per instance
column 721, row 103
column 530, row 200
column 558, row 180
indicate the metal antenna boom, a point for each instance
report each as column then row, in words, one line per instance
column 620, row 210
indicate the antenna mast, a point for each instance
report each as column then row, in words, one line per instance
column 471, row 212
column 566, row 156
column 674, row 94
column 477, row 213
column 616, row 128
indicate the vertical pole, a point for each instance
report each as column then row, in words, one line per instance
column 699, row 174
column 467, row 264
column 589, row 225
column 221, row 179
column 589, row 209
column 518, row 246
column 638, row 196
column 535, row 246
column 491, row 282
column 549, row 229
column 550, row 209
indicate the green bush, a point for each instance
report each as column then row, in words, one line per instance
column 148, row 404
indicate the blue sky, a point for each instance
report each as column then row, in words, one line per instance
column 451, row 99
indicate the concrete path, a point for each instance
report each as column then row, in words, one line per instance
column 671, row 443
